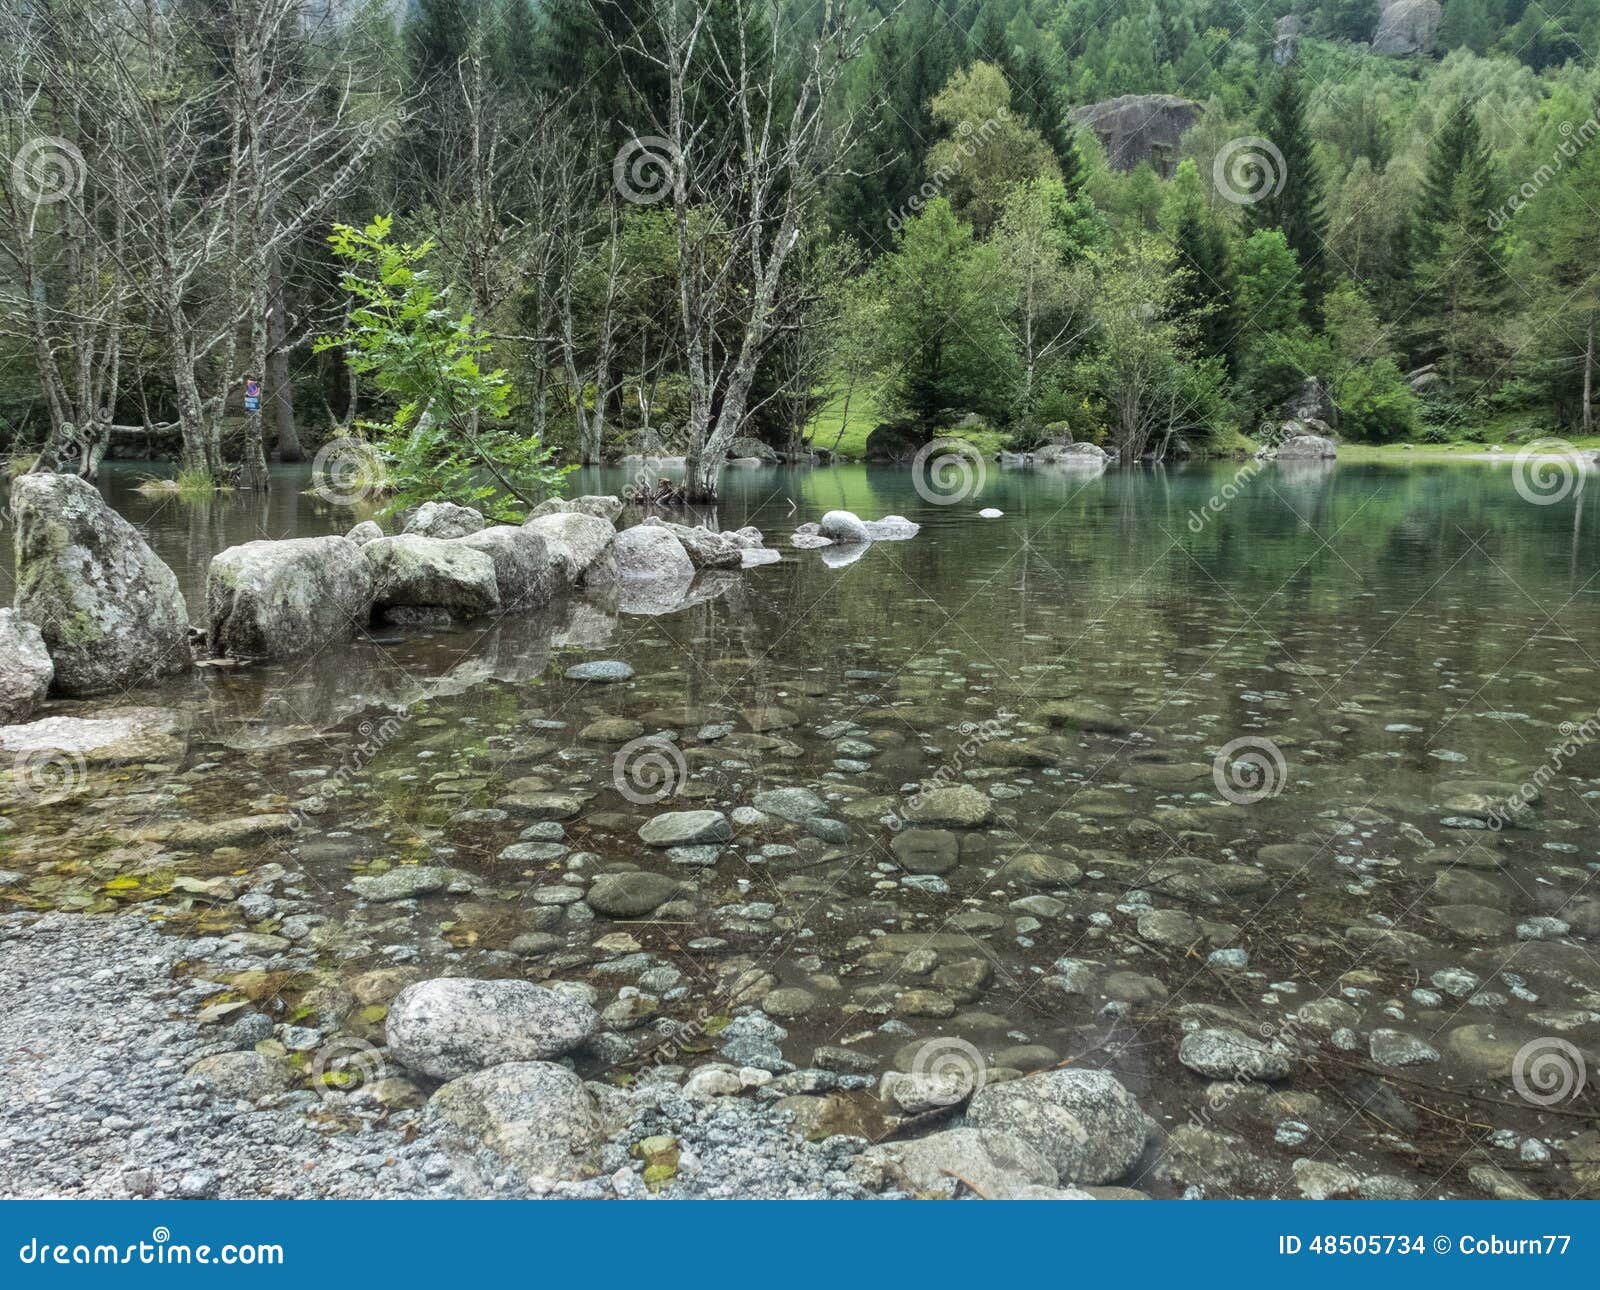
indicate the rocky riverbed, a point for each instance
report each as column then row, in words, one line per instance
column 764, row 895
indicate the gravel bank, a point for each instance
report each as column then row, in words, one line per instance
column 96, row 1037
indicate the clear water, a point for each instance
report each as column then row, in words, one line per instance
column 1394, row 645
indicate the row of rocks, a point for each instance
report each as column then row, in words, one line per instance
column 847, row 529
column 96, row 609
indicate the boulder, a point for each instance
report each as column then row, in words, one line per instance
column 121, row 736
column 891, row 528
column 647, row 553
column 526, row 574
column 536, row 1116
column 1306, row 447
column 25, row 668
column 451, row 1026
column 630, row 895
column 411, row 570
column 996, row 1164
column 1407, row 27
column 894, row 442
column 1223, row 1053
column 1140, row 127
column 707, row 548
column 582, row 544
column 245, row 1076
column 685, row 828
column 1083, row 1122
column 1285, row 40
column 444, row 520
column 1312, row 402
column 601, row 506
column 364, row 532
column 108, row 609
column 845, row 527
column 749, row 446
column 1072, row 454
column 952, row 806
column 282, row 599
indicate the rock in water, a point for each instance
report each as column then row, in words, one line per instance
column 1221, row 1053
column 583, row 544
column 1307, row 447
column 280, row 599
column 844, row 526
column 109, row 610
column 409, row 570
column 685, row 828
column 452, row 1026
column 364, row 532
column 536, row 1116
column 1083, row 1122
column 526, row 572
column 647, row 553
column 996, row 1164
column 444, row 520
column 25, row 668
column 605, row 506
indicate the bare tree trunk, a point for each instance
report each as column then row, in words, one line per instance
column 1588, row 377
column 279, row 392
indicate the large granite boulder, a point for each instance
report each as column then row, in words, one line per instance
column 526, row 572
column 282, row 599
column 1083, row 1122
column 1311, row 403
column 451, row 1026
column 894, row 441
column 582, row 544
column 604, row 506
column 1407, row 27
column 444, row 520
column 1307, row 447
column 709, row 548
column 25, row 668
column 844, row 526
column 1072, row 454
column 1285, row 39
column 536, row 1116
column 410, row 570
column 647, row 553
column 108, row 609
column 749, row 447
column 1140, row 127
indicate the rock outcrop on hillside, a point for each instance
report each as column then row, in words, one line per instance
column 1140, row 127
column 1407, row 28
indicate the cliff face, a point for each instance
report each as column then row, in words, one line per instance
column 1140, row 127
column 1407, row 27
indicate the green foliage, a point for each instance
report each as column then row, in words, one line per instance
column 1375, row 403
column 1293, row 203
column 446, row 436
